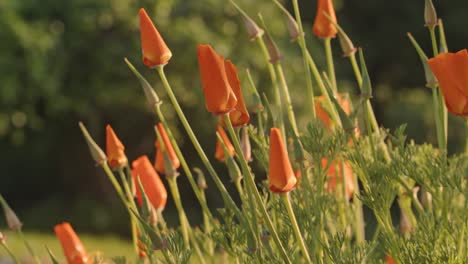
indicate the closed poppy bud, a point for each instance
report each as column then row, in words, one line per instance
column 273, row 50
column 406, row 226
column 323, row 27
column 96, row 152
column 451, row 70
column 73, row 249
column 389, row 259
column 12, row 220
column 154, row 49
column 245, row 145
column 334, row 174
column 151, row 182
column 293, row 28
column 430, row 14
column 239, row 116
column 219, row 97
column 2, row 238
column 253, row 30
column 281, row 175
column 115, row 149
column 159, row 163
column 219, row 154
column 346, row 44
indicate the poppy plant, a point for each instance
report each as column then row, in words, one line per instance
column 154, row 49
column 323, row 27
column 73, row 249
column 281, row 175
column 334, row 174
column 151, row 182
column 219, row 153
column 219, row 96
column 324, row 117
column 115, row 149
column 451, row 70
column 239, row 116
column 159, row 162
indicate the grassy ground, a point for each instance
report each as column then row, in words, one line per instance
column 108, row 246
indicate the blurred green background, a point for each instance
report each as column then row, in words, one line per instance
column 62, row 62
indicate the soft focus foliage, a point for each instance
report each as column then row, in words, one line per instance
column 61, row 61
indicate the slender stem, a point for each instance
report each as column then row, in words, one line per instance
column 330, row 65
column 133, row 220
column 8, row 250
column 303, row 46
column 28, row 246
column 219, row 184
column 115, row 183
column 435, row 47
column 289, row 107
column 180, row 209
column 297, row 232
column 239, row 189
column 274, row 82
column 185, row 167
column 369, row 110
column 460, row 244
column 358, row 213
column 250, row 181
column 207, row 226
column 323, row 89
column 435, row 104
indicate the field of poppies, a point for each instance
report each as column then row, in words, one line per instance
column 323, row 191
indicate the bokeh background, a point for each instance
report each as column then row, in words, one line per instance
column 62, row 62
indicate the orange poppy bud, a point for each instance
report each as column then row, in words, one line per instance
column 389, row 259
column 239, row 116
column 219, row 97
column 334, row 175
column 219, row 153
column 323, row 27
column 281, row 175
column 115, row 149
column 151, row 182
column 73, row 249
column 159, row 163
column 451, row 70
column 154, row 49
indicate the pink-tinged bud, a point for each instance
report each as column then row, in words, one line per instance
column 406, row 226
column 12, row 220
column 2, row 238
column 245, row 144
column 201, row 181
column 273, row 51
column 346, row 44
column 96, row 152
column 293, row 28
column 430, row 14
column 426, row 199
column 253, row 30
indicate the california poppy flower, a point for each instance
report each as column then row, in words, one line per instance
column 451, row 70
column 219, row 153
column 239, row 116
column 281, row 175
column 159, row 163
column 389, row 259
column 115, row 149
column 323, row 27
column 151, row 182
column 324, row 117
column 73, row 249
column 219, row 96
column 154, row 49
column 334, row 176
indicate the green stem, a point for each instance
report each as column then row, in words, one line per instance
column 358, row 213
column 115, row 183
column 460, row 244
column 239, row 189
column 180, row 209
column 297, row 232
column 274, row 82
column 28, row 247
column 219, row 184
column 435, row 104
column 289, row 106
column 323, row 89
column 8, row 250
column 369, row 109
column 330, row 65
column 250, row 181
column 466, row 135
column 133, row 220
column 185, row 167
column 207, row 226
column 303, row 46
